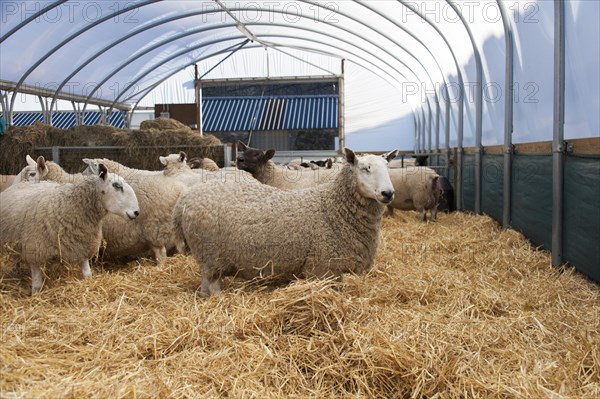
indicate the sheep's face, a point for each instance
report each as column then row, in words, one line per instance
column 173, row 159
column 252, row 159
column 116, row 195
column 373, row 179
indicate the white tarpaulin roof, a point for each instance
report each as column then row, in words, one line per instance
column 398, row 56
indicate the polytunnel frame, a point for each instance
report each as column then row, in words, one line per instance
column 85, row 28
column 66, row 41
column 154, row 85
column 166, row 41
column 305, row 29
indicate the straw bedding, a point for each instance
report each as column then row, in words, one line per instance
column 452, row 309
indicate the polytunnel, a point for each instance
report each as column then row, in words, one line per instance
column 504, row 96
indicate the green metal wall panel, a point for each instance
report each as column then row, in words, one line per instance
column 581, row 234
column 532, row 198
column 492, row 181
column 469, row 182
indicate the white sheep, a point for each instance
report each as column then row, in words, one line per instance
column 48, row 220
column 417, row 188
column 259, row 164
column 203, row 163
column 253, row 230
column 153, row 230
column 47, row 170
column 176, row 167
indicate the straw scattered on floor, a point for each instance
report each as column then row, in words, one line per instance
column 452, row 309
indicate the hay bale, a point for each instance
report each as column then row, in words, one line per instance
column 452, row 309
column 20, row 141
column 163, row 124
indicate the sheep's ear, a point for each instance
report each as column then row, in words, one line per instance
column 102, row 171
column 182, row 156
column 92, row 166
column 30, row 160
column 269, row 153
column 163, row 160
column 350, row 157
column 41, row 167
column 242, row 146
column 388, row 156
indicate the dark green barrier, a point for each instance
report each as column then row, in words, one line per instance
column 469, row 182
column 532, row 198
column 492, row 185
column 581, row 234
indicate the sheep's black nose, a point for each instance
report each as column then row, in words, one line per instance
column 136, row 213
column 388, row 195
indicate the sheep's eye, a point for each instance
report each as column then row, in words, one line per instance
column 118, row 186
column 366, row 169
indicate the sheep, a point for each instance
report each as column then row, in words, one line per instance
column 259, row 164
column 203, row 163
column 6, row 181
column 417, row 188
column 175, row 166
column 47, row 170
column 49, row 220
column 253, row 230
column 416, row 160
column 153, row 230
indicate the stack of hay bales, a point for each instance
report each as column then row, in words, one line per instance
column 141, row 147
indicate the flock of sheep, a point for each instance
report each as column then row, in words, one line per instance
column 255, row 220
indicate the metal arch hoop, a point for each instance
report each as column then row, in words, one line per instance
column 31, row 18
column 67, row 40
column 238, row 37
column 390, row 39
column 478, row 107
column 255, row 24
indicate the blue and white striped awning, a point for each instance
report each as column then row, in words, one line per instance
column 229, row 114
column 233, row 114
column 65, row 119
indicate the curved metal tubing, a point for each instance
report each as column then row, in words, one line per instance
column 31, row 18
column 67, row 40
column 407, row 31
column 285, row 36
column 508, row 119
column 478, row 108
column 122, row 39
column 460, row 123
column 381, row 33
column 166, row 41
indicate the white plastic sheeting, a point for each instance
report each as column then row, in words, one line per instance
column 396, row 62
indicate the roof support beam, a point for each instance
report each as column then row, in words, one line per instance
column 31, row 18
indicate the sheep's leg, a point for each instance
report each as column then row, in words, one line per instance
column 180, row 245
column 160, row 253
column 85, row 269
column 424, row 215
column 390, row 211
column 209, row 285
column 434, row 212
column 36, row 279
